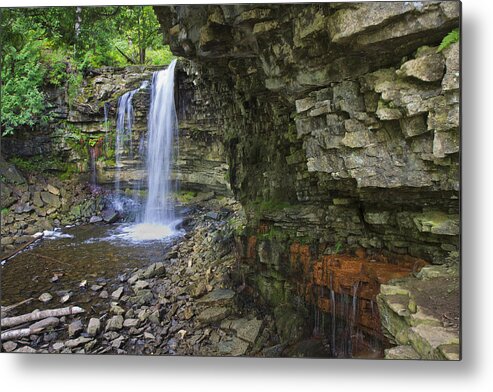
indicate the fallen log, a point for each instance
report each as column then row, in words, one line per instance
column 39, row 315
column 19, row 249
column 15, row 334
column 36, row 328
column 9, row 308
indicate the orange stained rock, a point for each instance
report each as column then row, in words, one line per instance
column 251, row 247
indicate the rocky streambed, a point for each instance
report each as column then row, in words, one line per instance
column 174, row 297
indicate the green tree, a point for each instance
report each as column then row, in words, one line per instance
column 53, row 45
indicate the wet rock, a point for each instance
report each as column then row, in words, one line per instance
column 117, row 293
column 94, row 326
column 9, row 346
column 213, row 314
column 75, row 328
column 65, row 298
column 95, row 219
column 212, row 215
column 72, row 343
column 114, row 324
column 110, row 215
column 291, row 323
column 45, row 297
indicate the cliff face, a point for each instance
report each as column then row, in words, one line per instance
column 340, row 123
column 83, row 132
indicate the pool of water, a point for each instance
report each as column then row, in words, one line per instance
column 97, row 254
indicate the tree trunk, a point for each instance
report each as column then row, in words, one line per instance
column 39, row 315
column 142, row 55
column 38, row 327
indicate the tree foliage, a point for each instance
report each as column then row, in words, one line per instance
column 54, row 45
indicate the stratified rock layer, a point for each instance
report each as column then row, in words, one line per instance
column 340, row 124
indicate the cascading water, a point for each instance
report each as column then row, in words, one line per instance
column 123, row 144
column 158, row 218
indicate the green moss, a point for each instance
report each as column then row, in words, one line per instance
column 265, row 206
column 185, row 196
column 237, row 225
column 43, row 164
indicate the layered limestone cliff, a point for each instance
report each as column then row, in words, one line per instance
column 340, row 123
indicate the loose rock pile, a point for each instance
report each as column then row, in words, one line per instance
column 183, row 305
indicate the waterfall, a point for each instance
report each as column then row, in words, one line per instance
column 123, row 144
column 158, row 217
column 162, row 127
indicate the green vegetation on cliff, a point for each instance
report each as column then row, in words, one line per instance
column 52, row 47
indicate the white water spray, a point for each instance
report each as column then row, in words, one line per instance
column 158, row 219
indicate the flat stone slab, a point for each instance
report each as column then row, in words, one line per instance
column 426, row 339
column 450, row 351
column 117, row 293
column 234, row 347
column 115, row 323
column 217, row 297
column 214, row 314
column 129, row 323
column 247, row 330
column 401, row 352
column 77, row 342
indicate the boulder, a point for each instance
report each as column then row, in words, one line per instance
column 51, row 199
column 114, row 324
column 110, row 215
column 117, row 293
column 247, row 330
column 213, row 314
column 45, row 297
column 75, row 328
column 77, row 342
column 428, row 68
column 93, row 327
